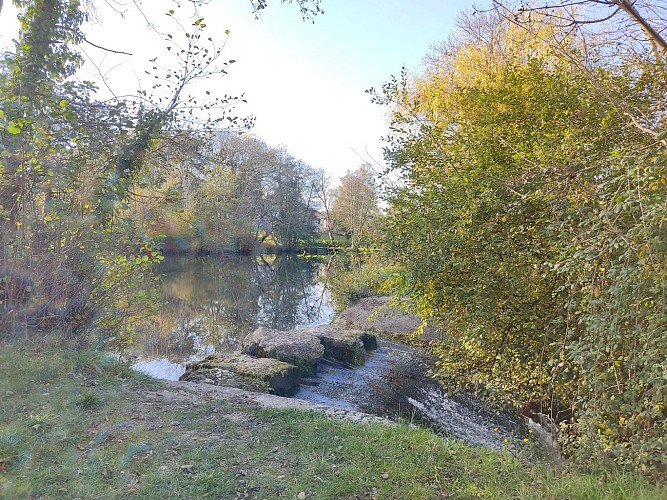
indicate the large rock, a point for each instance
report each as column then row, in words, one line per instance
column 303, row 351
column 380, row 315
column 342, row 344
column 245, row 372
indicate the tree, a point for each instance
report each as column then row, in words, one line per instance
column 290, row 200
column 55, row 147
column 70, row 166
column 627, row 16
column 226, row 192
column 526, row 184
column 323, row 193
column 354, row 208
column 236, row 184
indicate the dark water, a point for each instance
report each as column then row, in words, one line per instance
column 209, row 304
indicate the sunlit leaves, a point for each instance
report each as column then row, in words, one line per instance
column 527, row 226
column 13, row 128
column 354, row 209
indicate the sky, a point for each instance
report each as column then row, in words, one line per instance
column 304, row 82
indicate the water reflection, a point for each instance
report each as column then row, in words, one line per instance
column 210, row 304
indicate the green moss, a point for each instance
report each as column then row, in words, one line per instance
column 305, row 367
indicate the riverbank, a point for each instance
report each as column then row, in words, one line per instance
column 77, row 424
column 184, row 245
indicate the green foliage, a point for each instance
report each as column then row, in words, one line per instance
column 226, row 192
column 55, row 149
column 354, row 209
column 617, row 273
column 69, row 166
column 82, row 193
column 353, row 275
column 529, row 226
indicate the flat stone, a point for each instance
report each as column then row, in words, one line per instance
column 342, row 344
column 303, row 351
column 380, row 315
column 245, row 372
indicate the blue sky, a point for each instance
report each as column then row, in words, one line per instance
column 304, row 82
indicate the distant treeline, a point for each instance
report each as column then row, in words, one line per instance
column 231, row 193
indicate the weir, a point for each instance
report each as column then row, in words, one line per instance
column 211, row 305
column 394, row 384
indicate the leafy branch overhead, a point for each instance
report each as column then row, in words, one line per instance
column 309, row 8
column 629, row 17
column 197, row 58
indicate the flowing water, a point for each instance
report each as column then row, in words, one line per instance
column 210, row 304
column 394, row 383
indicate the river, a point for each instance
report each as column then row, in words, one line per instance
column 208, row 304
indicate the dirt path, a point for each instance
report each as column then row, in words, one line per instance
column 193, row 393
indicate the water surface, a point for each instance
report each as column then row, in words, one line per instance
column 208, row 304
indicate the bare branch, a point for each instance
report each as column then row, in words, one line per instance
column 650, row 31
column 104, row 48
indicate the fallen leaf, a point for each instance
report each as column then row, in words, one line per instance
column 384, row 475
column 301, row 495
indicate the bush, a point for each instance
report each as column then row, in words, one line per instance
column 353, row 276
column 617, row 346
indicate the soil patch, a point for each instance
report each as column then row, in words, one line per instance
column 380, row 315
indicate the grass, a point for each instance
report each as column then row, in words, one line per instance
column 77, row 424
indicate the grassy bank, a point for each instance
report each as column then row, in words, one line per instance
column 77, row 424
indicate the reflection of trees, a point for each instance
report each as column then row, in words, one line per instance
column 211, row 302
column 289, row 295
